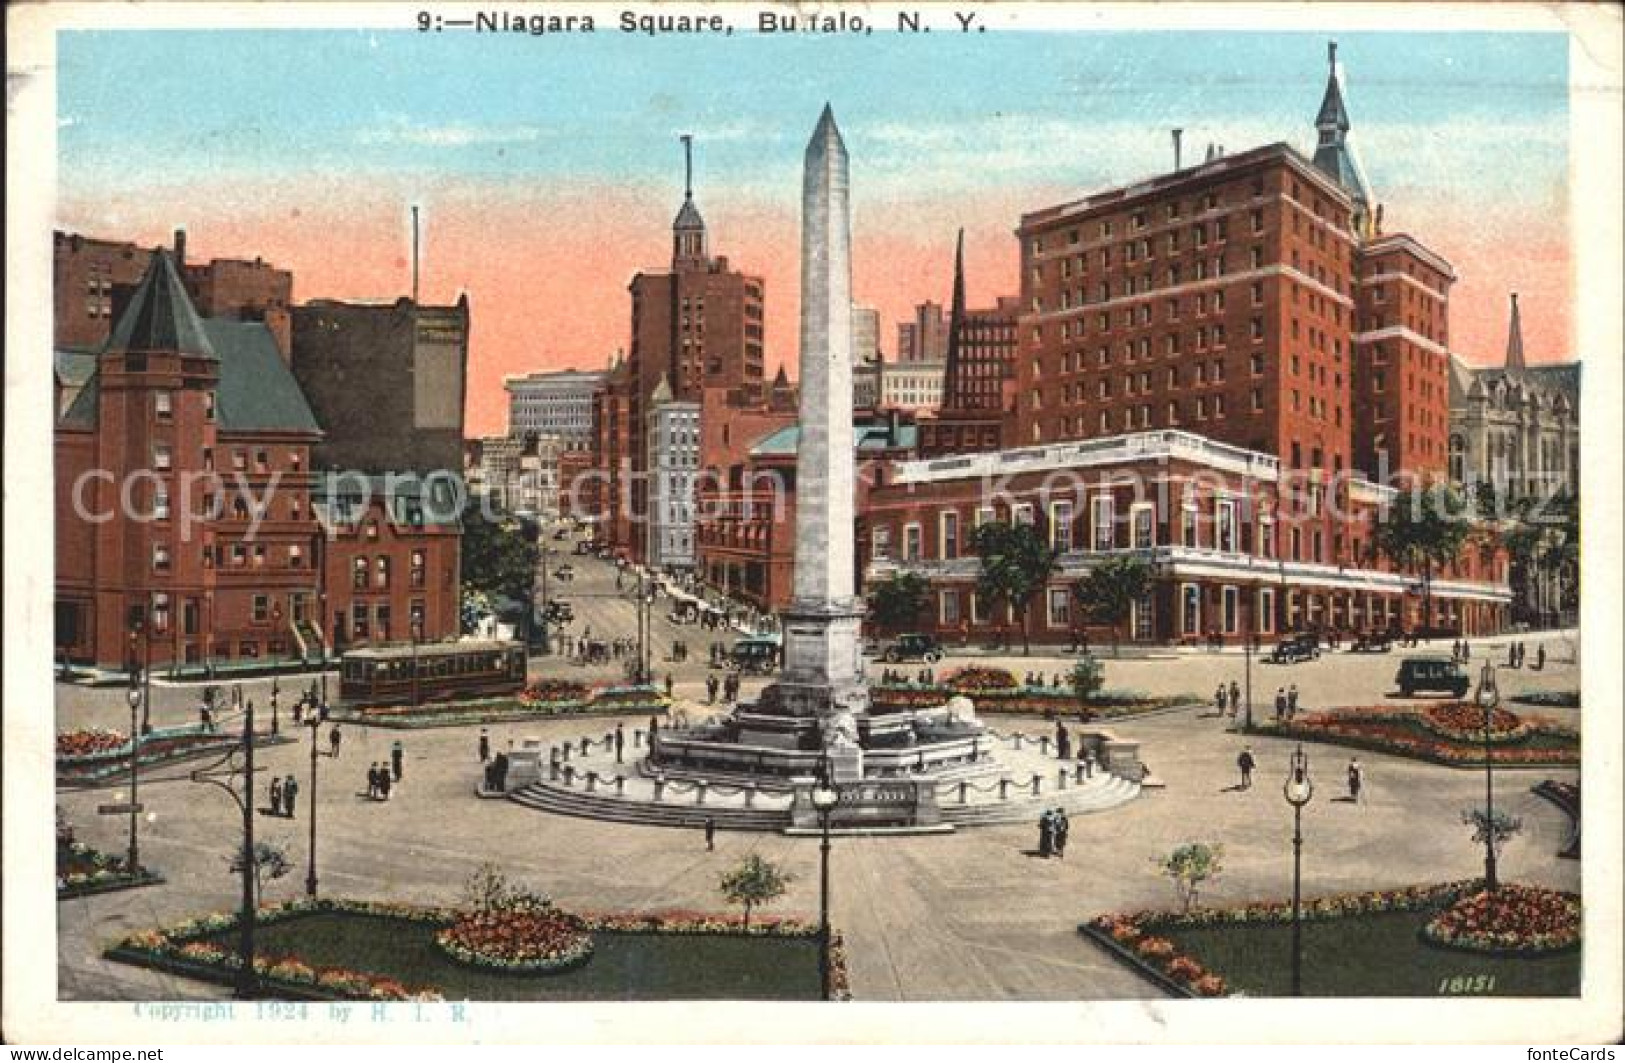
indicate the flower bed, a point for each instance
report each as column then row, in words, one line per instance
column 1033, row 701
column 1140, row 938
column 1516, row 920
column 98, row 755
column 554, row 692
column 1464, row 722
column 1403, row 732
column 518, row 942
column 194, row 948
column 88, row 742
column 82, row 871
column 976, row 679
column 529, row 704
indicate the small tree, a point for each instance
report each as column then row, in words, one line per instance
column 755, row 881
column 1087, row 679
column 1017, row 563
column 1111, row 588
column 896, row 603
column 1189, row 866
column 1492, row 832
column 268, row 863
column 488, row 890
column 1423, row 530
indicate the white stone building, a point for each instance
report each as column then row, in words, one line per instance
column 674, row 459
column 912, row 385
column 553, row 404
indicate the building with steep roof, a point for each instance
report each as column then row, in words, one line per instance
column 186, row 529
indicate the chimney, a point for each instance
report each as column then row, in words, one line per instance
column 180, row 247
column 1209, row 152
column 1177, row 134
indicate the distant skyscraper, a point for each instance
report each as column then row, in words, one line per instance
column 865, row 335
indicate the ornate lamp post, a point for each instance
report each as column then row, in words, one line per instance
column 542, row 554
column 1298, row 790
column 133, row 858
column 824, row 799
column 313, row 720
column 276, row 721
column 247, row 985
column 1488, row 697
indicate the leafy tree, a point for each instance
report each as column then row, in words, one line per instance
column 1109, row 591
column 1492, row 832
column 1189, row 866
column 1423, row 530
column 1087, row 678
column 268, row 863
column 1017, row 563
column 896, row 603
column 753, row 882
column 497, row 560
column 487, row 890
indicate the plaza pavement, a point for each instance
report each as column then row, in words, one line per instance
column 967, row 916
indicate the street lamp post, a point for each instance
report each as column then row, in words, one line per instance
column 133, row 858
column 1298, row 789
column 415, row 628
column 276, row 721
column 1488, row 697
column 541, row 547
column 314, row 721
column 824, row 799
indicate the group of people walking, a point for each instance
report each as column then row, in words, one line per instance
column 1246, row 764
column 1053, row 826
column 727, row 685
column 284, row 795
column 1517, row 654
column 381, row 777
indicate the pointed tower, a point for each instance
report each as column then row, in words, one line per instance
column 952, row 390
column 688, row 231
column 1335, row 154
column 1514, row 360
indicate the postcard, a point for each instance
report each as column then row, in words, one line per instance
column 753, row 522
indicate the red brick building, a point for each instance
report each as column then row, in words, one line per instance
column 978, row 388
column 184, row 500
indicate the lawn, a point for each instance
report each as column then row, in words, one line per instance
column 1371, row 955
column 624, row 966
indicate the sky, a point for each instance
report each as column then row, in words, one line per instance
column 548, row 168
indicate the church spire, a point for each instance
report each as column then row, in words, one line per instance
column 956, row 319
column 1514, row 362
column 1334, row 151
column 688, row 231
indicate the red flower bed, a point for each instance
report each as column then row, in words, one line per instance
column 1408, row 733
column 88, row 741
column 1521, row 919
column 974, row 679
column 1464, row 722
column 553, row 690
column 518, row 942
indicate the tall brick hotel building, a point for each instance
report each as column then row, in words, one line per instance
column 1242, row 341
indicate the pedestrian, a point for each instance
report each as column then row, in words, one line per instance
column 383, row 782
column 207, row 718
column 710, row 690
column 1235, row 697
column 299, row 711
column 1512, row 655
column 668, row 685
column 276, row 796
column 290, row 790
column 485, row 745
column 1062, row 826
column 1292, row 701
column 397, row 754
column 1540, row 657
column 710, row 834
column 333, row 740
column 1356, row 779
column 1046, row 834
column 1280, row 704
column 1063, row 742
column 1246, row 763
column 372, row 780
column 620, row 742
column 1220, row 699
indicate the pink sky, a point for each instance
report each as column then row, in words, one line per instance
column 546, row 269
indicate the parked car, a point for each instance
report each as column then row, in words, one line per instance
column 1371, row 642
column 913, row 647
column 1295, row 648
column 1433, row 674
column 755, row 656
column 559, row 612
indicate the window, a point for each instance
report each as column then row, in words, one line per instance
column 1144, row 527
column 160, row 456
column 381, row 572
column 160, row 503
column 262, row 461
column 296, row 556
column 1059, row 607
column 359, row 620
column 1022, row 513
column 1143, row 613
column 160, row 612
column 948, row 536
column 358, row 579
column 162, row 406
column 1231, row 597
column 880, row 544
column 1266, row 537
column 1060, row 526
column 1190, row 609
column 911, row 542
column 259, row 554
column 1225, row 525
column 1101, row 519
column 262, row 608
column 1187, row 523
column 978, row 609
column 419, row 568
column 382, row 616
column 160, row 557
column 239, row 459
column 1264, row 623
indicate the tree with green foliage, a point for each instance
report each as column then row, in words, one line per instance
column 896, row 603
column 488, row 890
column 1188, row 867
column 268, row 862
column 1491, row 831
column 755, row 881
column 1422, row 530
column 1109, row 591
column 496, row 558
column 1087, row 678
column 1016, row 564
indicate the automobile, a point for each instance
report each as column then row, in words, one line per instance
column 913, row 647
column 565, row 573
column 1434, row 674
column 1295, row 648
column 560, row 612
column 1371, row 642
column 755, row 656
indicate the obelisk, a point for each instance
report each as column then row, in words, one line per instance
column 823, row 673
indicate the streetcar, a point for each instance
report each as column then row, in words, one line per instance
column 444, row 671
